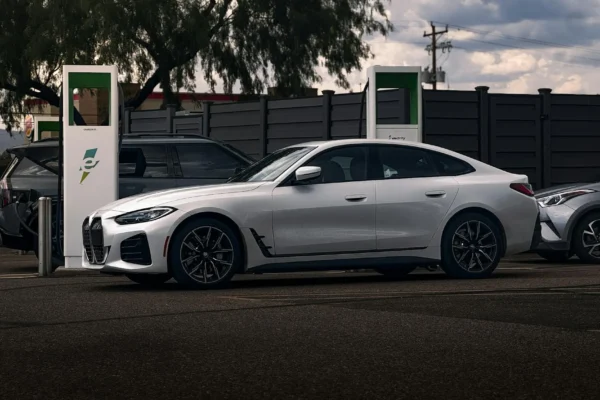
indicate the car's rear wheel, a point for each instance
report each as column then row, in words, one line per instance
column 149, row 279
column 586, row 239
column 395, row 272
column 555, row 256
column 471, row 246
column 205, row 253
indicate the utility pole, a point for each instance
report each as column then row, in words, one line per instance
column 433, row 49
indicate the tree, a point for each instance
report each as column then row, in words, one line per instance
column 254, row 43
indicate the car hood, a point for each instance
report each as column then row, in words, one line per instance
column 561, row 188
column 164, row 197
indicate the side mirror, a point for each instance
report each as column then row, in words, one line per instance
column 307, row 173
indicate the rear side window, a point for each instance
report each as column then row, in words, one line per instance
column 144, row 161
column 206, row 161
column 400, row 162
column 450, row 166
column 27, row 168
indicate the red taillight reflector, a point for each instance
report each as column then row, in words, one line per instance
column 524, row 188
column 166, row 246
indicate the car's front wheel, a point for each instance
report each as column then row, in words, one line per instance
column 471, row 246
column 149, row 279
column 205, row 253
column 586, row 239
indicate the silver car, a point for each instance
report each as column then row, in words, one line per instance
column 382, row 204
column 570, row 218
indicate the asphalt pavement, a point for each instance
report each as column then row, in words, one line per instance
column 532, row 331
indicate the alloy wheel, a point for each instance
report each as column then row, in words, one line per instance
column 207, row 254
column 474, row 246
column 591, row 238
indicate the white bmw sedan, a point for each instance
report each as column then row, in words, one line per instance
column 387, row 205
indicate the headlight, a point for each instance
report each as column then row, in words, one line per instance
column 146, row 215
column 562, row 197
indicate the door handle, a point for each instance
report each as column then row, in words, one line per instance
column 356, row 197
column 436, row 193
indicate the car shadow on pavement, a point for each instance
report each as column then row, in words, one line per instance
column 280, row 280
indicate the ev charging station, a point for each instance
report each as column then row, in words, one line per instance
column 90, row 161
column 409, row 78
column 45, row 124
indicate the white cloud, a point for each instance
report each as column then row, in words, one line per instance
column 511, row 62
column 572, row 84
column 487, row 57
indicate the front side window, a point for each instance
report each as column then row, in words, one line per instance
column 399, row 162
column 344, row 164
column 272, row 166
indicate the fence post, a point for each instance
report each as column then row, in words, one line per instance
column 206, row 118
column 171, row 110
column 327, row 95
column 264, row 126
column 546, row 136
column 44, row 236
column 484, row 123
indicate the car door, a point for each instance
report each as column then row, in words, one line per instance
column 335, row 213
column 144, row 168
column 412, row 197
column 204, row 164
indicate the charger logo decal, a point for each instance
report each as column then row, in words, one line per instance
column 89, row 162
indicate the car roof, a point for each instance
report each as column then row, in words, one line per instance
column 335, row 143
column 322, row 145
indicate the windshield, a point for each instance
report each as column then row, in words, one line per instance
column 272, row 166
column 244, row 156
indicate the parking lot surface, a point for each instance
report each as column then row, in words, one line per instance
column 531, row 331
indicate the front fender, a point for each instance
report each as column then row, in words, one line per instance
column 581, row 206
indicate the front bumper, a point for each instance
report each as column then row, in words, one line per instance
column 137, row 248
column 553, row 222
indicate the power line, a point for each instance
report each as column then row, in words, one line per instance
column 520, row 38
column 522, row 48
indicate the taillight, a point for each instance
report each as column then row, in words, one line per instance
column 524, row 188
column 4, row 193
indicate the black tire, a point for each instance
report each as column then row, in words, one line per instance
column 205, row 256
column 395, row 272
column 555, row 256
column 584, row 244
column 149, row 279
column 455, row 251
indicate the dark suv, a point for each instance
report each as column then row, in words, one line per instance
column 146, row 163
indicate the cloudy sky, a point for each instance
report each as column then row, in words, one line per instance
column 513, row 46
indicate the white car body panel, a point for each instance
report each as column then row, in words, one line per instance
column 315, row 223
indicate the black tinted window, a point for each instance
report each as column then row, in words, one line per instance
column 399, row 162
column 207, row 161
column 148, row 161
column 450, row 166
column 28, row 168
column 346, row 164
